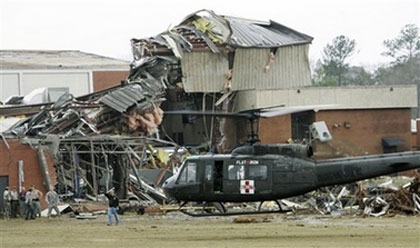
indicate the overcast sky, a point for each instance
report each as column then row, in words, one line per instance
column 106, row 27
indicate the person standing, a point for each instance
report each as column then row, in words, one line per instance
column 29, row 205
column 14, row 203
column 22, row 196
column 52, row 200
column 6, row 201
column 36, row 197
column 113, row 203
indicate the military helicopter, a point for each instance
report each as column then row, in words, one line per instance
column 259, row 173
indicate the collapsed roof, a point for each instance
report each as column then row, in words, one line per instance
column 131, row 108
column 205, row 30
column 210, row 53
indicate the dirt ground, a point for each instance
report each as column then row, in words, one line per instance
column 176, row 230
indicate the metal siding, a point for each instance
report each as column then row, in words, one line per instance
column 290, row 68
column 204, row 71
column 123, row 98
column 247, row 33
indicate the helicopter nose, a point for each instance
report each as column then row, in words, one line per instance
column 168, row 186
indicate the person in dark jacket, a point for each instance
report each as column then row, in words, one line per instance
column 113, row 203
column 14, row 203
column 30, row 215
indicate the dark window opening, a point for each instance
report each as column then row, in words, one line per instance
column 218, row 177
column 300, row 125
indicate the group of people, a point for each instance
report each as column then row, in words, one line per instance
column 26, row 203
column 30, row 207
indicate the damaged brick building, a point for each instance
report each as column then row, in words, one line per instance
column 208, row 62
column 224, row 63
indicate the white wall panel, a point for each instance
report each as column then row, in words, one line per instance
column 9, row 85
column 77, row 82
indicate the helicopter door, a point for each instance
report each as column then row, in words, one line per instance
column 259, row 175
column 187, row 180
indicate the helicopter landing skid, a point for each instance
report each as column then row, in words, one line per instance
column 218, row 209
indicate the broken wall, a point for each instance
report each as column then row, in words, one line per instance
column 31, row 167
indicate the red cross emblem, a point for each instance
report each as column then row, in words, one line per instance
column 247, row 187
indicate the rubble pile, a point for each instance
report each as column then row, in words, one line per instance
column 102, row 140
column 130, row 109
column 387, row 198
column 365, row 198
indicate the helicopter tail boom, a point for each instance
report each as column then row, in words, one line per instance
column 347, row 170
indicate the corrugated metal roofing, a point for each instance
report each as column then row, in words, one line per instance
column 123, row 98
column 57, row 59
column 247, row 33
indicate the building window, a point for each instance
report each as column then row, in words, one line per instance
column 300, row 125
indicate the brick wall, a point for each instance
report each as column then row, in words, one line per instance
column 358, row 132
column 355, row 132
column 275, row 130
column 32, row 172
column 106, row 79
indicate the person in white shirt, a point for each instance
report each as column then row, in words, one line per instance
column 6, row 201
column 52, row 200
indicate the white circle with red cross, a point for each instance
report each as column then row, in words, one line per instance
column 247, row 187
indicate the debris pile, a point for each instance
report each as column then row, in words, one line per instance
column 386, row 198
column 103, row 140
column 112, row 113
column 365, row 198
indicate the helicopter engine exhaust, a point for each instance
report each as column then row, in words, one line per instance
column 292, row 150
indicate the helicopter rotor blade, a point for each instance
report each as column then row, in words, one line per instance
column 208, row 113
column 251, row 114
column 292, row 110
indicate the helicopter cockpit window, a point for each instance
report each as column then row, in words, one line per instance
column 236, row 172
column 258, row 172
column 189, row 173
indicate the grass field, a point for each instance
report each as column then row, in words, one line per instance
column 176, row 230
